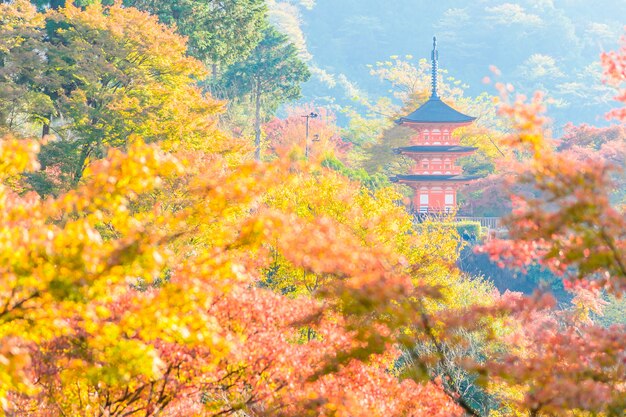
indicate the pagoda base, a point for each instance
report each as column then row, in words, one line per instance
column 431, row 194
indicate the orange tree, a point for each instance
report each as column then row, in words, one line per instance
column 112, row 308
column 563, row 364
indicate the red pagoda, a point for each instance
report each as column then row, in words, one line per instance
column 434, row 178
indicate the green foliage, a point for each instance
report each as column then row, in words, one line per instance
column 468, row 230
column 273, row 72
column 373, row 182
column 56, row 4
column 219, row 32
column 94, row 77
column 23, row 98
column 362, row 130
column 614, row 312
column 271, row 75
column 465, row 230
column 477, row 164
column 381, row 157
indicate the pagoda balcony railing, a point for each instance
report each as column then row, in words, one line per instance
column 491, row 223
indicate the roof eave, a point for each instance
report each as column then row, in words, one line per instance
column 403, row 120
column 468, row 150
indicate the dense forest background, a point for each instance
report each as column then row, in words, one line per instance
column 547, row 45
column 200, row 214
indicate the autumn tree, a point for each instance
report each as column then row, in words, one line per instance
column 22, row 97
column 139, row 290
column 139, row 250
column 271, row 75
column 178, row 279
column 565, row 363
column 290, row 131
column 95, row 75
column 566, row 221
column 105, row 350
column 143, row 289
column 220, row 32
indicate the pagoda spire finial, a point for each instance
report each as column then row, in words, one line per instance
column 434, row 56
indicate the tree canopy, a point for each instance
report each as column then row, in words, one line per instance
column 271, row 75
column 220, row 32
column 149, row 265
column 96, row 76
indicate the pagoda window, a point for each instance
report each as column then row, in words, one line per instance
column 436, row 135
column 423, row 203
column 449, row 202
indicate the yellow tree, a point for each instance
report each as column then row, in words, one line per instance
column 109, row 320
column 99, row 75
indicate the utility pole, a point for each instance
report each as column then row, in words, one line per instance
column 306, row 139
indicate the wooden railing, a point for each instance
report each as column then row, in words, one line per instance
column 490, row 223
column 486, row 222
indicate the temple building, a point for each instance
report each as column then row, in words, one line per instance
column 435, row 177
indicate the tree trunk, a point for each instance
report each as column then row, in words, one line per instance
column 257, row 123
column 45, row 130
column 80, row 168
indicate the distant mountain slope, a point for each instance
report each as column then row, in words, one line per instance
column 553, row 45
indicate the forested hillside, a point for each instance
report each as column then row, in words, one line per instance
column 208, row 209
column 549, row 45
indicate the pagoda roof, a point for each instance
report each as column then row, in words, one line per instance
column 442, row 178
column 435, row 111
column 436, row 148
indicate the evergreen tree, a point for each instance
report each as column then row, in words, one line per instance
column 271, row 75
column 220, row 32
